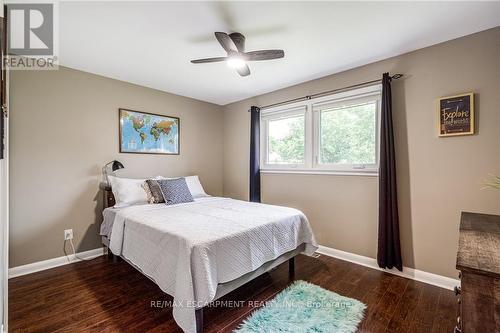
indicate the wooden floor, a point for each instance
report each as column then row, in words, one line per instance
column 100, row 296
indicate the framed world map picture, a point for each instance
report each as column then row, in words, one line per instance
column 148, row 133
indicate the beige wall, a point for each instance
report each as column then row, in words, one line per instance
column 63, row 128
column 437, row 177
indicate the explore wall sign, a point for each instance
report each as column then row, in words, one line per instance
column 456, row 115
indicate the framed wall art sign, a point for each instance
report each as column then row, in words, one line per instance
column 456, row 115
column 148, row 133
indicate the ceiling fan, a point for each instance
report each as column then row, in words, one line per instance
column 234, row 45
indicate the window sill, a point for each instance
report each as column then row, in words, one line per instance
column 321, row 172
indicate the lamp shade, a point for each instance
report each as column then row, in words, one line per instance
column 116, row 165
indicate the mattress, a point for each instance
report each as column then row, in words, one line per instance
column 189, row 249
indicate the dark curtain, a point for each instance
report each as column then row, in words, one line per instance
column 389, row 252
column 254, row 154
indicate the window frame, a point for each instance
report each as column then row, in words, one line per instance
column 282, row 113
column 311, row 109
column 318, row 108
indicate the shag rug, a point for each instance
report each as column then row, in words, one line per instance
column 306, row 308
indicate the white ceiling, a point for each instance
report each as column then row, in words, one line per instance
column 151, row 43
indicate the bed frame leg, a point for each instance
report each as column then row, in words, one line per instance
column 291, row 268
column 199, row 320
column 112, row 257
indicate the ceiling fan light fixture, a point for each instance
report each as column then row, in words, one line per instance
column 236, row 62
column 237, row 58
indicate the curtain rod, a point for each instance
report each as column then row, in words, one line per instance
column 308, row 97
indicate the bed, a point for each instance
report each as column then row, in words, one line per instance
column 198, row 252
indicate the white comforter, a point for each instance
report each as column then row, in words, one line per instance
column 188, row 249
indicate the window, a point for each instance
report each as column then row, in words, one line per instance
column 286, row 140
column 335, row 133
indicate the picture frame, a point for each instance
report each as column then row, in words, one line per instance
column 456, row 115
column 148, row 133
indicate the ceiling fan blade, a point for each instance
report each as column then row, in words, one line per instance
column 238, row 40
column 202, row 61
column 264, row 55
column 226, row 42
column 244, row 70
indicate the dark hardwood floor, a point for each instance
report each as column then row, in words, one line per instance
column 100, row 296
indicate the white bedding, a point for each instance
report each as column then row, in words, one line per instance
column 107, row 223
column 110, row 213
column 188, row 249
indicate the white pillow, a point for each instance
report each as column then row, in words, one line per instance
column 128, row 191
column 194, row 185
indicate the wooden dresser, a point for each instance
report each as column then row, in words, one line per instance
column 478, row 260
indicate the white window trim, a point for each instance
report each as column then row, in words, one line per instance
column 317, row 108
column 264, row 147
column 319, row 172
column 311, row 108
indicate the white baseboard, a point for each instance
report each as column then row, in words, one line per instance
column 55, row 262
column 410, row 273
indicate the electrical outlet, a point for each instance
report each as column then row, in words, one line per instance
column 68, row 234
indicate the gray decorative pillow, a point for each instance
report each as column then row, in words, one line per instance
column 175, row 191
column 145, row 187
column 156, row 195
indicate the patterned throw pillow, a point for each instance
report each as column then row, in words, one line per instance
column 149, row 195
column 175, row 191
column 154, row 188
